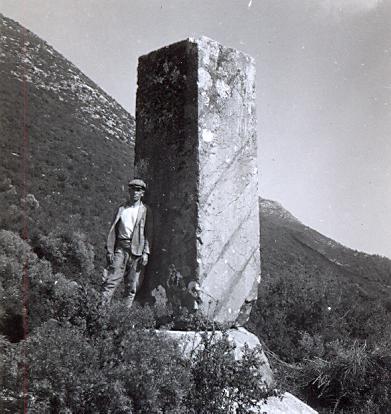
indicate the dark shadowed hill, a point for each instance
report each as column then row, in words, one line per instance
column 81, row 152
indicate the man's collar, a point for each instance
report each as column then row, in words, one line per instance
column 127, row 203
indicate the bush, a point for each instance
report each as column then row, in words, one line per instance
column 83, row 358
column 64, row 375
column 69, row 252
column 221, row 384
column 94, row 360
column 18, row 266
column 330, row 349
column 290, row 305
column 353, row 378
column 119, row 369
column 24, row 278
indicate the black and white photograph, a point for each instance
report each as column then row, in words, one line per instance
column 195, row 206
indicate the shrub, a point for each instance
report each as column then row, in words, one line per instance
column 290, row 305
column 25, row 277
column 17, row 263
column 83, row 358
column 69, row 252
column 221, row 384
column 352, row 377
column 329, row 348
column 64, row 375
column 119, row 369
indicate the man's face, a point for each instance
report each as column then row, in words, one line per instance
column 135, row 193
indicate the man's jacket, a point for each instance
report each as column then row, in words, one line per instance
column 142, row 232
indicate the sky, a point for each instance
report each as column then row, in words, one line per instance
column 323, row 89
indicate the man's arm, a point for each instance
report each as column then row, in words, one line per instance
column 148, row 232
column 109, row 252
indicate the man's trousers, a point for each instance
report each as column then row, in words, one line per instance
column 124, row 266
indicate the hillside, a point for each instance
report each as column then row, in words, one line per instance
column 289, row 245
column 81, row 151
column 79, row 139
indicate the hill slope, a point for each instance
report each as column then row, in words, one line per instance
column 79, row 138
column 289, row 245
column 81, row 151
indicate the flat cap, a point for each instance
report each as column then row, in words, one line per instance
column 137, row 182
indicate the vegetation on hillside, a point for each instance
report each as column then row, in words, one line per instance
column 328, row 340
column 78, row 141
column 81, row 358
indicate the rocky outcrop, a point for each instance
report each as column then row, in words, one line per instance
column 287, row 404
column 190, row 341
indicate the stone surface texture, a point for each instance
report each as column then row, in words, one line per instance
column 289, row 404
column 196, row 148
column 189, row 341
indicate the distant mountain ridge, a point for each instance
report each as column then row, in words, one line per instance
column 285, row 240
column 81, row 152
column 274, row 209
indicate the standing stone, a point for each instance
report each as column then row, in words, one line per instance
column 196, row 148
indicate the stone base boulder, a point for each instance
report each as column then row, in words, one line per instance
column 189, row 341
column 288, row 404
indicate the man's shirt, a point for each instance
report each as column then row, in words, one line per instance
column 127, row 222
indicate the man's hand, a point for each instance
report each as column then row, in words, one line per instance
column 144, row 260
column 109, row 258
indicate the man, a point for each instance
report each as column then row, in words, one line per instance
column 128, row 245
